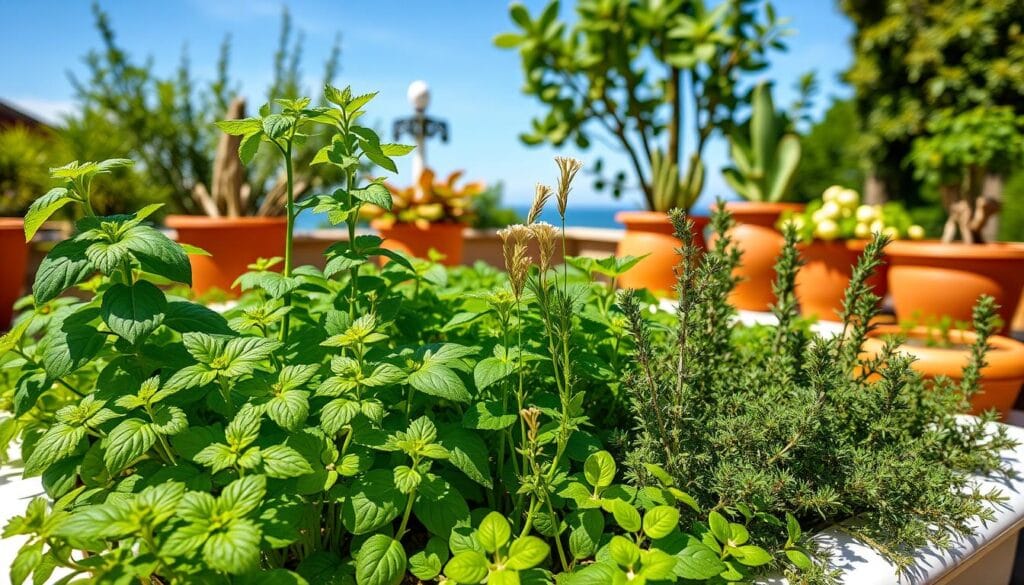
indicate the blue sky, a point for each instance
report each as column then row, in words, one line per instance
column 386, row 44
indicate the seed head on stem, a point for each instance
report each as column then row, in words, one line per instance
column 567, row 169
column 540, row 197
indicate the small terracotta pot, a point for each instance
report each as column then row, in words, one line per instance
column 650, row 232
column 14, row 255
column 1001, row 379
column 233, row 244
column 755, row 235
column 446, row 238
column 821, row 283
column 933, row 279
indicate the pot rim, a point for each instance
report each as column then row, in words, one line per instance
column 853, row 245
column 646, row 217
column 1005, row 359
column 379, row 224
column 762, row 207
column 207, row 222
column 935, row 249
column 10, row 223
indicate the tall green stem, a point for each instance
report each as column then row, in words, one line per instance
column 290, row 227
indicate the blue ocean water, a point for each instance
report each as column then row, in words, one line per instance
column 598, row 216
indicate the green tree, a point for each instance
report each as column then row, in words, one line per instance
column 913, row 58
column 167, row 122
column 625, row 71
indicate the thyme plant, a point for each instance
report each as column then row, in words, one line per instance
column 774, row 422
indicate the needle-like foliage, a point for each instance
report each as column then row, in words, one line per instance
column 771, row 420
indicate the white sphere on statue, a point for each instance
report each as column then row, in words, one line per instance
column 419, row 94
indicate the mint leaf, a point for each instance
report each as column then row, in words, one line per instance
column 490, row 370
column 65, row 266
column 468, row 452
column 71, row 342
column 185, row 317
column 42, row 208
column 698, row 562
column 380, row 561
column 243, row 354
column 59, row 442
column 243, row 496
column 488, row 416
column 133, row 312
column 234, row 549
column 427, row 563
column 373, row 501
column 157, row 254
column 375, row 194
column 127, row 442
column 493, row 532
column 240, row 127
column 283, row 462
column 468, row 566
column 526, row 552
column 289, row 409
column 439, row 380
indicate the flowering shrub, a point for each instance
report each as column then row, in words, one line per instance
column 429, row 201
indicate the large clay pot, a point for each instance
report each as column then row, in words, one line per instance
column 1001, row 379
column 233, row 244
column 14, row 255
column 650, row 233
column 930, row 280
column 411, row 239
column 821, row 282
column 755, row 235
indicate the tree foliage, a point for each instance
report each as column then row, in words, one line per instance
column 622, row 71
column 912, row 59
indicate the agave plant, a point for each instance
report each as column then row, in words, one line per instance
column 667, row 190
column 765, row 152
column 431, row 201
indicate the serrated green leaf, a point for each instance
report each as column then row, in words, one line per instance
column 373, row 501
column 375, row 194
column 526, row 552
column 467, row 566
column 380, row 561
column 65, row 266
column 468, row 452
column 134, row 311
column 42, row 208
column 57, row 443
column 234, row 549
column 439, row 380
column 127, row 442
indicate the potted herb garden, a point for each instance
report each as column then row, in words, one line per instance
column 765, row 153
column 430, row 215
column 834, row 232
column 964, row 157
column 404, row 423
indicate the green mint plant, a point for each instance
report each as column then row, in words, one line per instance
column 783, row 426
column 308, row 433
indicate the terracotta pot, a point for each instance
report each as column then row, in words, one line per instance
column 933, row 279
column 821, row 283
column 1001, row 379
column 233, row 244
column 446, row 238
column 14, row 252
column 650, row 232
column 755, row 235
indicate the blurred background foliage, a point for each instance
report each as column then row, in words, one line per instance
column 912, row 61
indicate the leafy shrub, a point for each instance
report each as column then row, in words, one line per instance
column 356, row 424
column 789, row 423
column 386, row 424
